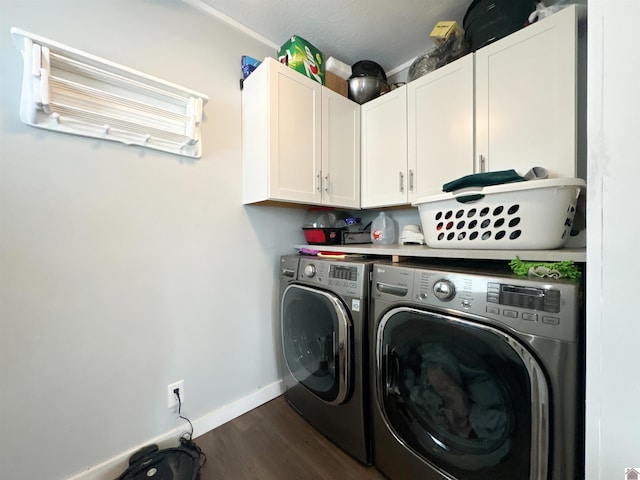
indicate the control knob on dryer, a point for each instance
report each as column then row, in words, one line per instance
column 310, row 270
column 444, row 290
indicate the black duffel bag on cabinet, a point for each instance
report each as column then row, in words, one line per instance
column 489, row 20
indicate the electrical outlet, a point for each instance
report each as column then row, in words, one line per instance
column 172, row 399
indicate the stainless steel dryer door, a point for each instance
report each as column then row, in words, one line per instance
column 466, row 398
column 316, row 341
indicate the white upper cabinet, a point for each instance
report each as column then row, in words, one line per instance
column 281, row 135
column 511, row 105
column 384, row 150
column 300, row 143
column 440, row 127
column 526, row 98
column 514, row 104
column 340, row 150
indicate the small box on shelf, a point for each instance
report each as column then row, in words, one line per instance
column 335, row 83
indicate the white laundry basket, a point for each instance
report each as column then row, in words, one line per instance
column 531, row 215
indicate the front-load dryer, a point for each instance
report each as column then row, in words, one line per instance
column 477, row 374
column 323, row 313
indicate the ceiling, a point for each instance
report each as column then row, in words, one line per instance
column 391, row 33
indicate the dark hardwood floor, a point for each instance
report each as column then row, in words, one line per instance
column 272, row 442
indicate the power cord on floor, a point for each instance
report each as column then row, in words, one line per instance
column 186, row 439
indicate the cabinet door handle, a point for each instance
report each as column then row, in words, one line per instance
column 411, row 180
column 318, row 182
column 483, row 163
column 326, row 184
column 401, row 182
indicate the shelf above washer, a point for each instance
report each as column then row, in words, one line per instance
column 578, row 255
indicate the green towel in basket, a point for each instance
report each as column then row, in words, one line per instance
column 564, row 269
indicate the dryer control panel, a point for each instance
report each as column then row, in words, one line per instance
column 343, row 277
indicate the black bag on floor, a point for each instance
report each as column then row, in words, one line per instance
column 151, row 463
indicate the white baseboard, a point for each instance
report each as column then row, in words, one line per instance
column 113, row 468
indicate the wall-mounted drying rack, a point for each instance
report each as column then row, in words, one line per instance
column 67, row 90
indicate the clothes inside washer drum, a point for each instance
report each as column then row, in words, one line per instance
column 465, row 401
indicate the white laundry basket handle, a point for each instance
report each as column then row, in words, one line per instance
column 468, row 195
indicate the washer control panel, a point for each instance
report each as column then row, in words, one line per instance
column 537, row 306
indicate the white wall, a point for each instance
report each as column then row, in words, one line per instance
column 124, row 269
column 613, row 325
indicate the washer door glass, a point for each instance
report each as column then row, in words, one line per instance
column 465, row 397
column 316, row 341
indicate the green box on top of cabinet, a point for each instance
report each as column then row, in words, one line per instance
column 303, row 57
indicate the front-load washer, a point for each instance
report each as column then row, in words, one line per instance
column 323, row 312
column 477, row 374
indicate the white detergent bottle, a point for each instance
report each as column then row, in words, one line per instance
column 383, row 230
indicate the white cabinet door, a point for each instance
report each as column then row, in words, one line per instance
column 440, row 127
column 526, row 90
column 281, row 135
column 340, row 150
column 384, row 150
